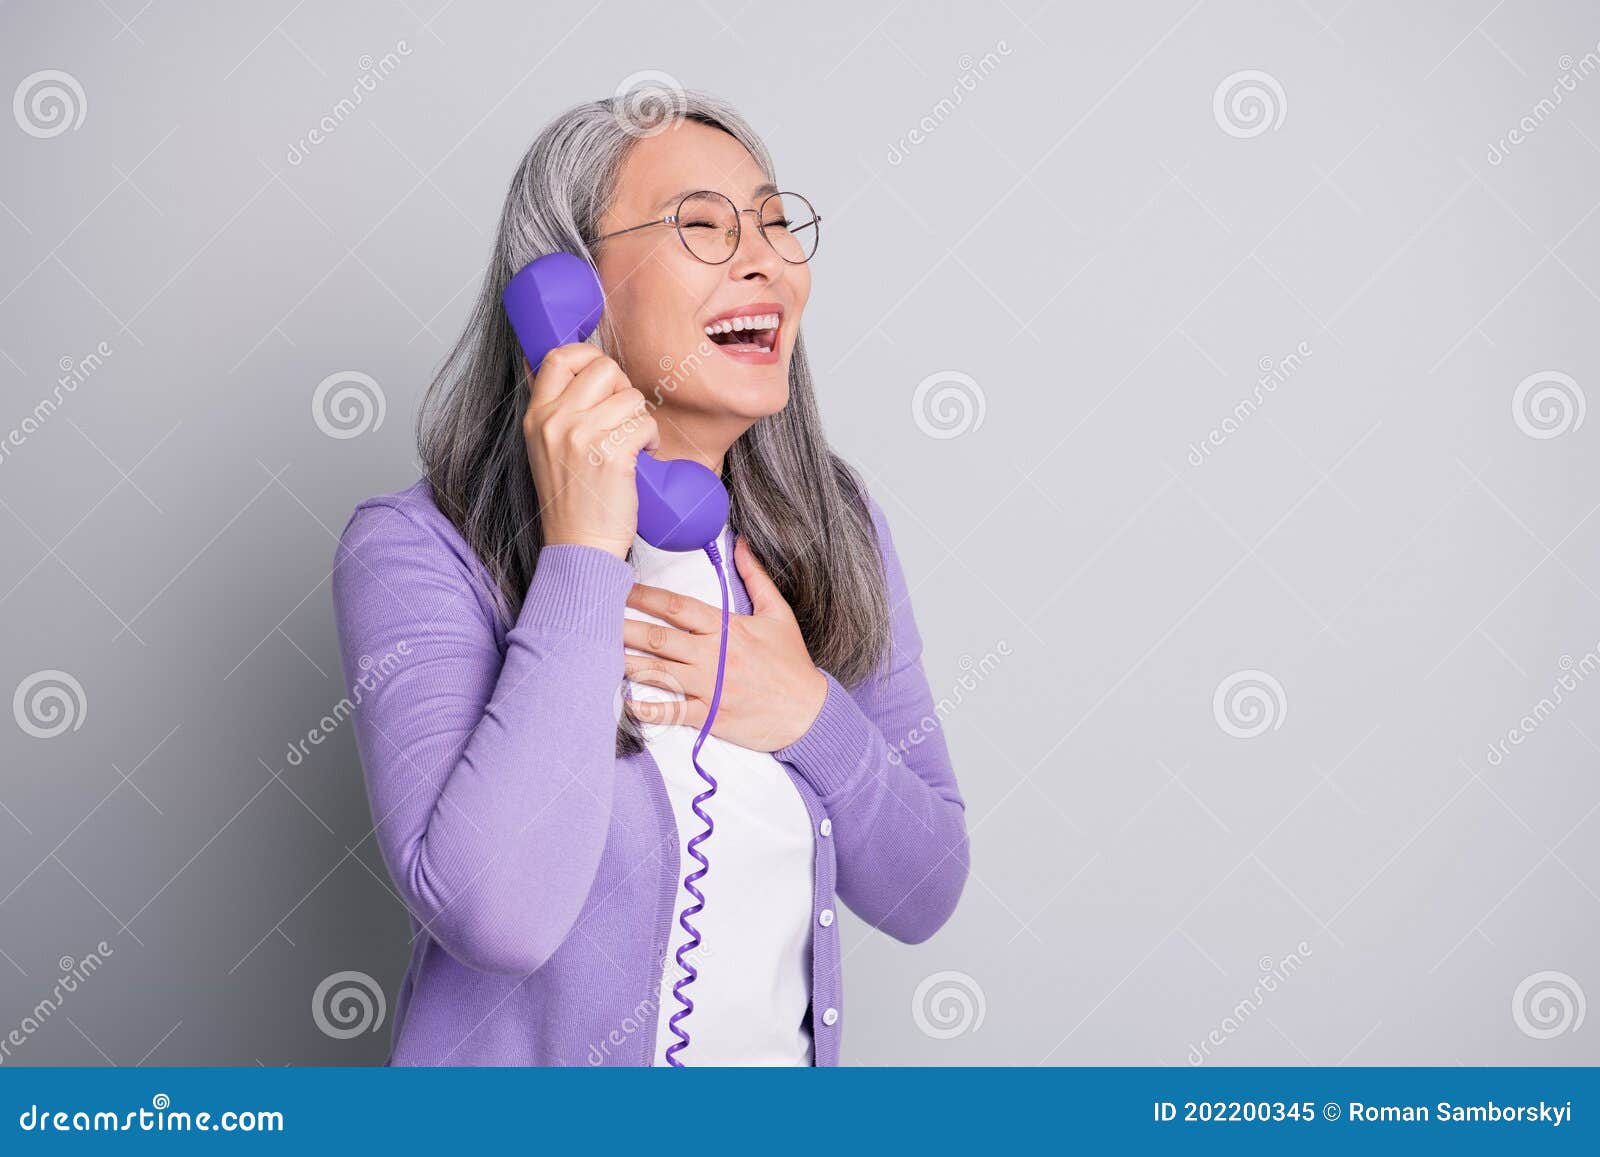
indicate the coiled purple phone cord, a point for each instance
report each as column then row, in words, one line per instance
column 693, row 846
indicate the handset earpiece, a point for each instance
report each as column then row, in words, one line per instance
column 557, row 299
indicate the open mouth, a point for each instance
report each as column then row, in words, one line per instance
column 749, row 333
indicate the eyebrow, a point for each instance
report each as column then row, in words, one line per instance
column 757, row 193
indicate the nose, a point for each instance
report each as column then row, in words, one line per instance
column 755, row 259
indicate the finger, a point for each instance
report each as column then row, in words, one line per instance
column 681, row 611
column 765, row 598
column 611, row 411
column 623, row 443
column 685, row 712
column 549, row 380
column 599, row 378
column 617, row 427
column 655, row 639
column 668, row 675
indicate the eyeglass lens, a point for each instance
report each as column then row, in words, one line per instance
column 709, row 225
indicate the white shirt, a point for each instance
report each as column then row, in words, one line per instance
column 754, row 959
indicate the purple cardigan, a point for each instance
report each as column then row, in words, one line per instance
column 541, row 872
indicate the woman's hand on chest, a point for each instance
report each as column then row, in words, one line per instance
column 771, row 690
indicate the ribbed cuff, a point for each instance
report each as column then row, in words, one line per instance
column 579, row 590
column 833, row 749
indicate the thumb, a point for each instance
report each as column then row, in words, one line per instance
column 765, row 598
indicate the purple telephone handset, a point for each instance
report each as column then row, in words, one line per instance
column 557, row 299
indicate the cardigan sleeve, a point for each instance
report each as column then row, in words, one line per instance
column 490, row 778
column 877, row 757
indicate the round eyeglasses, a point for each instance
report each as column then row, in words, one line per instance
column 709, row 225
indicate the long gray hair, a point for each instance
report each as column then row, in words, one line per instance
column 802, row 508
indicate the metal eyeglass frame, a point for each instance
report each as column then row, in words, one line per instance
column 738, row 231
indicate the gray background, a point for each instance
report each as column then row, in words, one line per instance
column 1082, row 237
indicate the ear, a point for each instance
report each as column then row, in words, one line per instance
column 765, row 599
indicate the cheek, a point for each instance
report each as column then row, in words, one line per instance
column 648, row 309
column 800, row 283
column 802, row 294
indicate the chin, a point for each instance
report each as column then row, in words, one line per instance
column 751, row 396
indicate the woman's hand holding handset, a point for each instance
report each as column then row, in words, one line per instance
column 584, row 427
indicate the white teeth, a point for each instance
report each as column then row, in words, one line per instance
column 765, row 321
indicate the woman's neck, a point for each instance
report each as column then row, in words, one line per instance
column 704, row 443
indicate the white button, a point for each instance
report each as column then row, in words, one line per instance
column 830, row 1016
column 826, row 827
column 825, row 918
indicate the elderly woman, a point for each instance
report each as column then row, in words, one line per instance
column 527, row 757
